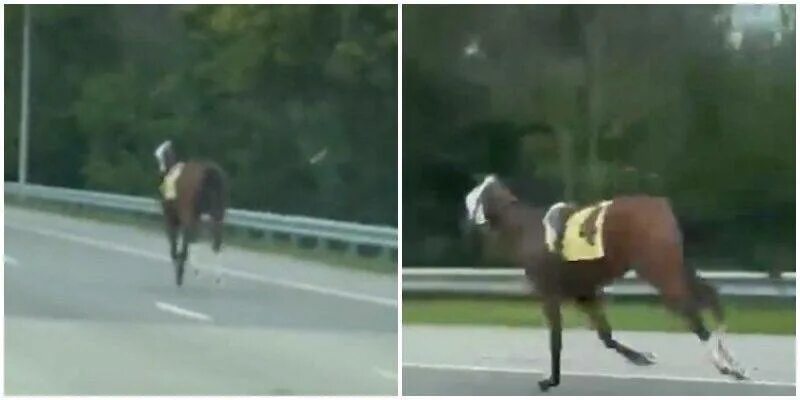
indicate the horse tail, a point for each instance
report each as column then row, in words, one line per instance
column 703, row 293
column 214, row 192
column 213, row 197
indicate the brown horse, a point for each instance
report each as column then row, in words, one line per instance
column 639, row 232
column 190, row 190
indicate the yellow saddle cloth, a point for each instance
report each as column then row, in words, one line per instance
column 583, row 237
column 168, row 185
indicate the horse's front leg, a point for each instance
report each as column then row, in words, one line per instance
column 187, row 237
column 172, row 226
column 183, row 255
column 552, row 312
column 172, row 236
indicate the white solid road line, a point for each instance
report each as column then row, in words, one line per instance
column 305, row 286
column 8, row 260
column 92, row 242
column 182, row 312
column 477, row 368
column 383, row 301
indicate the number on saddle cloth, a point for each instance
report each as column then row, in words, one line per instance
column 575, row 234
column 588, row 228
column 555, row 223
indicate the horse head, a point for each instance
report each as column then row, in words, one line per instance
column 165, row 155
column 485, row 200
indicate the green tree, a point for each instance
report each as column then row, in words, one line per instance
column 601, row 101
column 298, row 103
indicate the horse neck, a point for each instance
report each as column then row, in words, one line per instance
column 169, row 163
column 506, row 218
column 516, row 217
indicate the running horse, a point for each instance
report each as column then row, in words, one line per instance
column 190, row 190
column 635, row 232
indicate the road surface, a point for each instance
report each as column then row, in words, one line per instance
column 91, row 309
column 466, row 360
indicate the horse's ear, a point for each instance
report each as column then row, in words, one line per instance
column 480, row 177
column 163, row 145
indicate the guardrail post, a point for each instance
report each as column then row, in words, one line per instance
column 295, row 240
column 21, row 195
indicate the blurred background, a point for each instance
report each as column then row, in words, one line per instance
column 297, row 103
column 695, row 103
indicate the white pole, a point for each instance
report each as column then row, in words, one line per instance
column 23, row 120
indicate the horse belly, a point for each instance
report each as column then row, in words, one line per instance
column 581, row 278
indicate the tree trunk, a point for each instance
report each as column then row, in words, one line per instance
column 565, row 147
column 593, row 43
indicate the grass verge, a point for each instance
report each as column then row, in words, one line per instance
column 743, row 315
column 251, row 241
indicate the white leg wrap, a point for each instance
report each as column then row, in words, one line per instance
column 722, row 358
column 713, row 352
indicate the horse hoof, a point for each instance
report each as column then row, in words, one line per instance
column 643, row 359
column 737, row 373
column 740, row 375
column 546, row 384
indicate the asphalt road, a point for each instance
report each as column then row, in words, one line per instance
column 440, row 360
column 91, row 309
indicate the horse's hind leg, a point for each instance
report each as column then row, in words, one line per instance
column 662, row 266
column 180, row 258
column 216, row 235
column 216, row 246
column 707, row 297
column 690, row 308
column 594, row 310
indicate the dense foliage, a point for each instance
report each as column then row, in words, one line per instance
column 586, row 102
column 298, row 103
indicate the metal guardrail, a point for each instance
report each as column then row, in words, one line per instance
column 353, row 234
column 512, row 282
